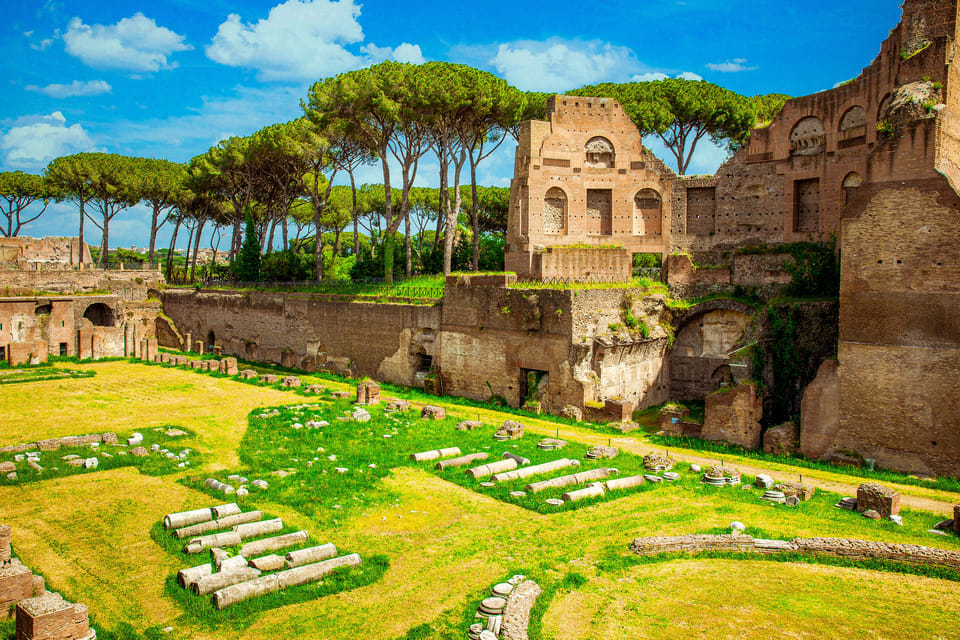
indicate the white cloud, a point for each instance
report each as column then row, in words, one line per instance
column 33, row 141
column 731, row 66
column 135, row 44
column 75, row 88
column 300, row 40
column 657, row 76
column 556, row 65
column 409, row 53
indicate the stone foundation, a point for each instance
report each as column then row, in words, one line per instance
column 50, row 617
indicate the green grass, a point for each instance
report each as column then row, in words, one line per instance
column 155, row 464
column 200, row 609
column 648, row 285
column 39, row 373
column 943, row 483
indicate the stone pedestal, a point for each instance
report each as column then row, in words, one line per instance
column 879, row 498
column 368, row 392
column 50, row 617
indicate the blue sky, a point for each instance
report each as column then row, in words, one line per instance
column 170, row 78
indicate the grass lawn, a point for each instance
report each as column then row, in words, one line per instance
column 447, row 539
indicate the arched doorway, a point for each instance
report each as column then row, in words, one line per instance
column 100, row 315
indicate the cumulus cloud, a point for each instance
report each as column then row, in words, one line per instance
column 730, row 66
column 555, row 65
column 135, row 44
column 33, row 141
column 301, row 40
column 75, row 88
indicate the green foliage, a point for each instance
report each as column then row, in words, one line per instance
column 18, row 191
column 681, row 112
column 246, row 267
column 886, row 129
column 785, row 361
column 815, row 270
column 286, row 266
column 39, row 373
column 647, row 260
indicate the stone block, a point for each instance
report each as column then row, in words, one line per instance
column 181, row 361
column 288, row 359
column 50, row 617
column 291, row 382
column 16, row 584
column 572, row 412
column 6, row 534
column 196, row 364
column 398, row 405
column 430, row 412
column 211, row 365
column 48, row 445
column 248, row 374
column 40, row 352
column 314, row 388
column 229, row 366
column 733, row 415
column 269, row 378
column 876, row 497
column 781, row 440
column 156, row 358
column 368, row 392
column 18, row 353
column 820, row 411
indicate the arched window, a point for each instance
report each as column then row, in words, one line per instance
column 647, row 209
column 100, row 315
column 808, row 137
column 600, row 154
column 853, row 127
column 555, row 211
column 850, row 186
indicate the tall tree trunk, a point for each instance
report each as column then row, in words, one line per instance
column 286, row 244
column 173, row 244
column 388, row 211
column 153, row 232
column 474, row 214
column 105, row 243
column 196, row 249
column 356, row 225
column 235, row 242
column 408, row 264
column 83, row 215
column 186, row 258
column 273, row 228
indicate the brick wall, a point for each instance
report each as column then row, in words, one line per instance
column 899, row 347
column 386, row 341
column 733, row 415
column 130, row 285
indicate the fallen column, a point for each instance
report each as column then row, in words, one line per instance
column 218, row 525
column 186, row 577
column 276, row 581
column 225, row 510
column 254, row 529
column 233, row 563
column 492, row 468
column 624, row 483
column 525, row 472
column 214, row 582
column 563, row 481
column 433, row 455
column 313, row 554
column 462, row 460
column 257, row 547
column 267, row 563
column 186, row 518
column 227, row 539
column 593, row 491
column 520, row 459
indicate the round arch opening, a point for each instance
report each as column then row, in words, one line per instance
column 100, row 315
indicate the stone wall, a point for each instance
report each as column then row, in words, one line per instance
column 50, row 617
column 129, row 285
column 833, row 547
column 39, row 253
column 388, row 341
column 899, row 347
column 733, row 415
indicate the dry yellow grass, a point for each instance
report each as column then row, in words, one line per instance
column 754, row 601
column 447, row 545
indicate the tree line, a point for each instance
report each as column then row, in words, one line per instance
column 281, row 178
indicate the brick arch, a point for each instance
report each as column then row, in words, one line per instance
column 686, row 316
column 808, row 136
column 556, row 204
column 600, row 153
column 101, row 315
column 647, row 216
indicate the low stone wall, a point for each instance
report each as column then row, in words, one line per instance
column 833, row 547
column 516, row 615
